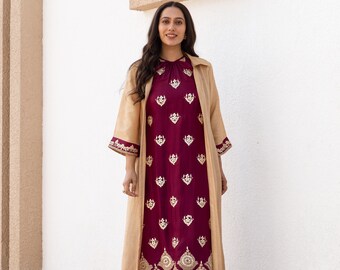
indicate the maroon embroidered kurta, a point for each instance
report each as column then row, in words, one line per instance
column 176, row 218
column 176, row 231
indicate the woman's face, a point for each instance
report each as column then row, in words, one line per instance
column 172, row 27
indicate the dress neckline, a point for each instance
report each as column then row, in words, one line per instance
column 168, row 61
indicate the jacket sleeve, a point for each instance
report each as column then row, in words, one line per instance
column 125, row 138
column 220, row 136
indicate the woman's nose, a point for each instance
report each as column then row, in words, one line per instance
column 171, row 26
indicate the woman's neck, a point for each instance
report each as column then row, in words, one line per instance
column 171, row 54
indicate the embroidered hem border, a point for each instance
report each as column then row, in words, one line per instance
column 186, row 262
column 124, row 147
column 224, row 146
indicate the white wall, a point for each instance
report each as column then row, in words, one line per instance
column 277, row 66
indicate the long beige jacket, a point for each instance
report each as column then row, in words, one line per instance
column 129, row 138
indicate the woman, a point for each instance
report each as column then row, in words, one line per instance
column 169, row 128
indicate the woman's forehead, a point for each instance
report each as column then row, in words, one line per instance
column 172, row 12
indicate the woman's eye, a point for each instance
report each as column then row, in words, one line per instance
column 165, row 21
column 179, row 22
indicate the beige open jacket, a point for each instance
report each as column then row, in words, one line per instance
column 130, row 127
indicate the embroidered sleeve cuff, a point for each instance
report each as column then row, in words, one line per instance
column 123, row 147
column 224, row 146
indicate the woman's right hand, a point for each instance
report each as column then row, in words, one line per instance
column 130, row 183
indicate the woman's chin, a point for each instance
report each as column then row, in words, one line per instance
column 172, row 44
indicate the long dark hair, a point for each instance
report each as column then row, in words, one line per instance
column 152, row 50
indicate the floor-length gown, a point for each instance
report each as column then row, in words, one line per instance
column 176, row 227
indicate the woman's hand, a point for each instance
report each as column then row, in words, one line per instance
column 131, row 178
column 224, row 183
column 130, row 183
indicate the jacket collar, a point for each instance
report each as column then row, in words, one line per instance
column 195, row 61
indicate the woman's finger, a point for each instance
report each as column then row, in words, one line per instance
column 127, row 190
column 134, row 187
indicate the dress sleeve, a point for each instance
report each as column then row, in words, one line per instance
column 220, row 135
column 126, row 139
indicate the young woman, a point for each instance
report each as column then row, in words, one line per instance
column 170, row 129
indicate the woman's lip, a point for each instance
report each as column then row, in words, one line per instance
column 171, row 35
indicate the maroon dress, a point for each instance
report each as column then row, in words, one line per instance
column 176, row 227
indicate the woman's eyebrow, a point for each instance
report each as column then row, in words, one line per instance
column 174, row 18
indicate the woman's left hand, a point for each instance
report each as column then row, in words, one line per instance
column 224, row 183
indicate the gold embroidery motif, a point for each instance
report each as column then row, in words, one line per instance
column 189, row 97
column 209, row 263
column 143, row 264
column 201, row 158
column 174, row 117
column 163, row 223
column 153, row 242
column 121, row 146
column 150, row 119
column 166, row 261
column 173, row 159
column 175, row 242
column 187, row 178
column 161, row 100
column 202, row 240
column 200, row 118
column 187, row 72
column 150, row 204
column 173, row 201
column 224, row 147
column 188, row 219
column 187, row 261
column 160, row 181
column 188, row 139
column 149, row 160
column 201, row 267
column 175, row 83
column 161, row 71
column 201, row 201
column 160, row 140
